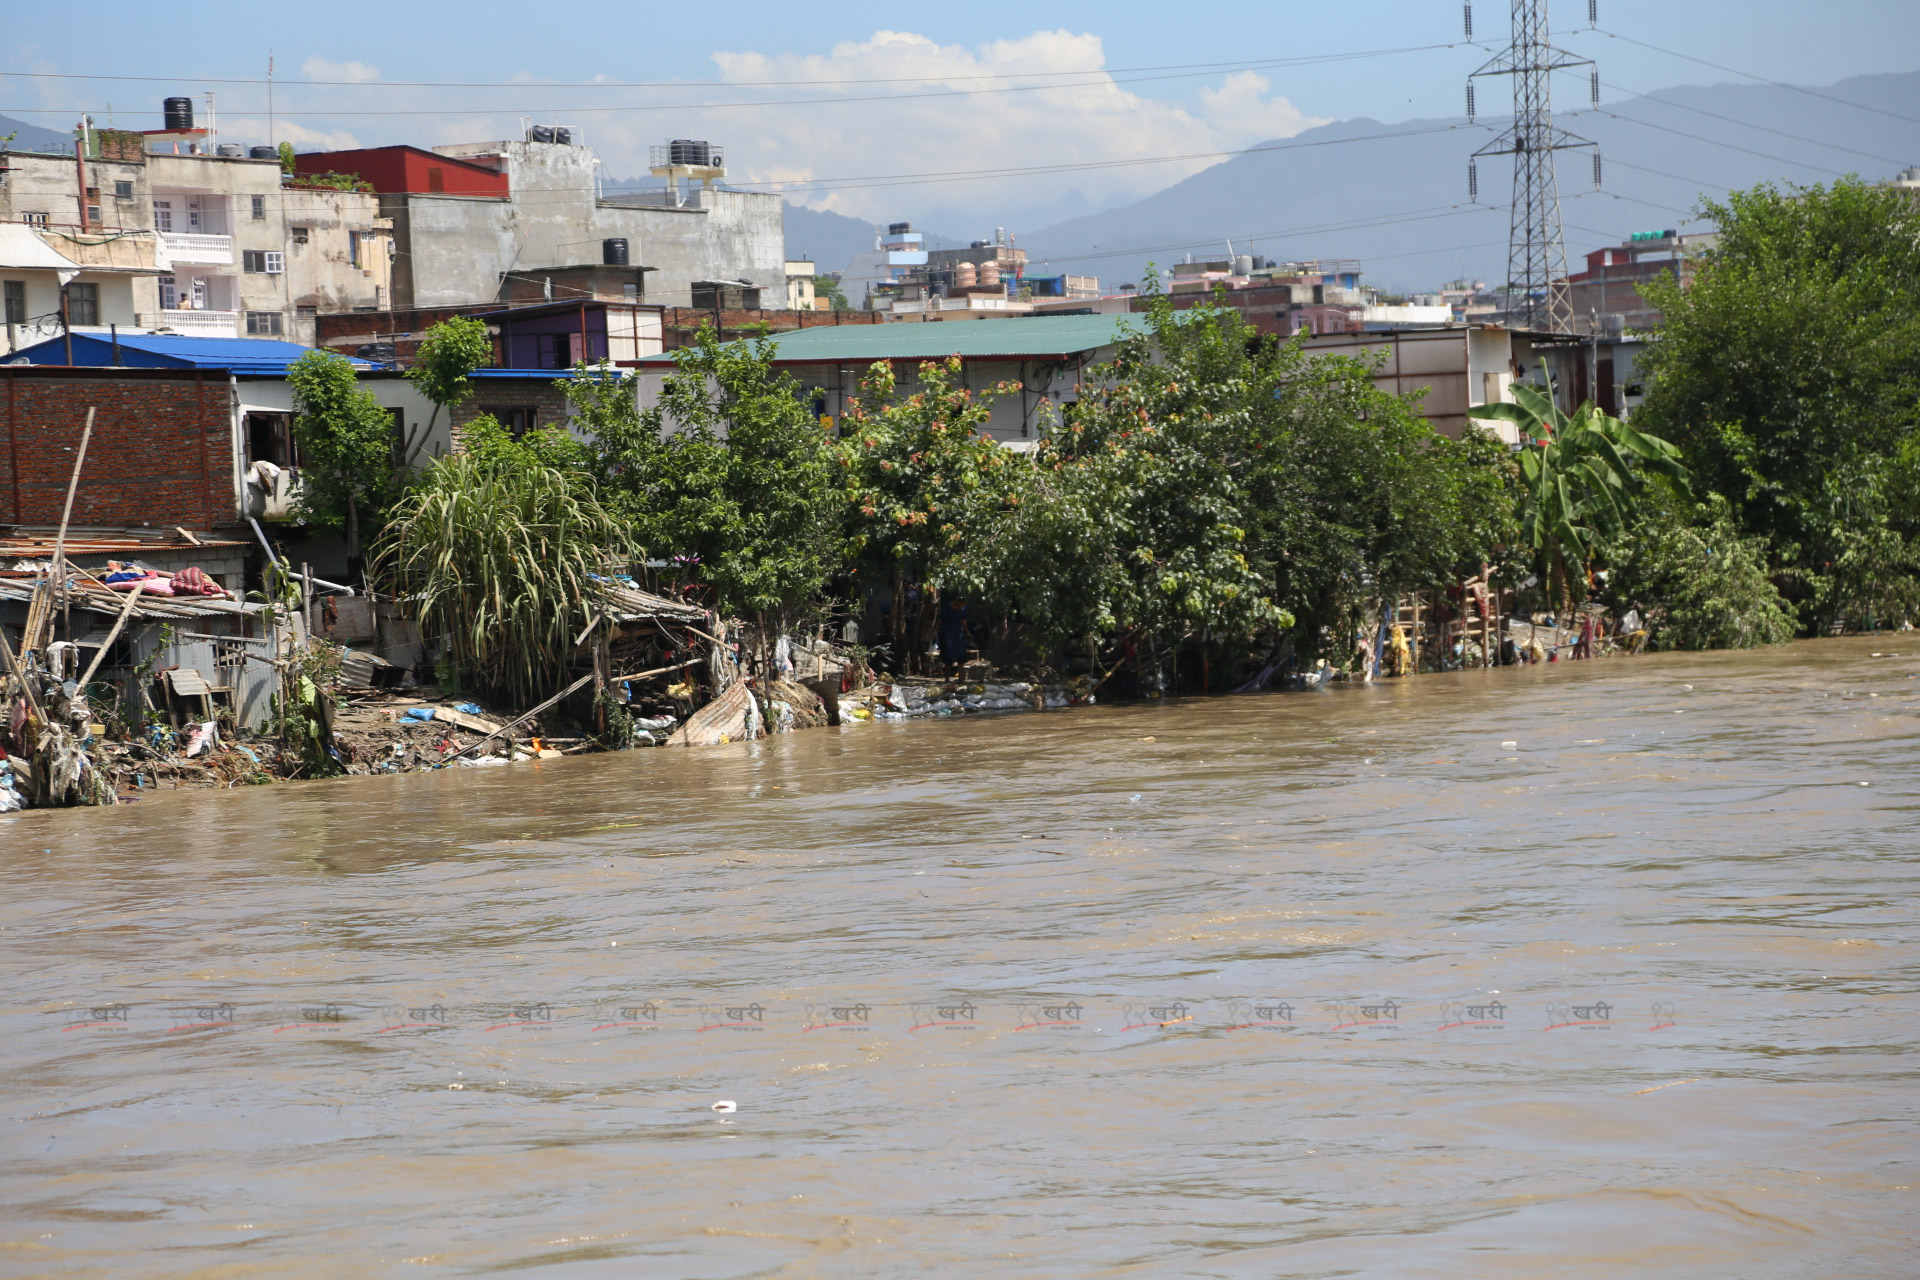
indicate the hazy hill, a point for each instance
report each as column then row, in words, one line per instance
column 1409, row 180
column 33, row 137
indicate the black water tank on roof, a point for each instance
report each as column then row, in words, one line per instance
column 689, row 151
column 613, row 251
column 540, row 133
column 178, row 113
column 899, row 228
column 563, row 136
column 264, row 153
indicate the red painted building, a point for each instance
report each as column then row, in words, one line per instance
column 394, row 170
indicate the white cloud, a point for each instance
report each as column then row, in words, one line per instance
column 254, row 128
column 322, row 69
column 1085, row 117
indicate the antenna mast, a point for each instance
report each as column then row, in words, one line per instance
column 1536, row 248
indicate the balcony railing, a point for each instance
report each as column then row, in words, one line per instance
column 203, row 324
column 197, row 248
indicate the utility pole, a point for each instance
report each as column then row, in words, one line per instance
column 1536, row 249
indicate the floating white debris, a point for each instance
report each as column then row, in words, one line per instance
column 1510, row 746
column 726, row 1107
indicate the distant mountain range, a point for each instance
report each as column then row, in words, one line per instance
column 1395, row 195
column 32, row 137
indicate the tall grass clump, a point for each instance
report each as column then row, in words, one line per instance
column 505, row 562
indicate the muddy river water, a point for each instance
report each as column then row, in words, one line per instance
column 1596, row 969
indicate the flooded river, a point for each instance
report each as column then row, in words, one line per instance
column 1597, row 969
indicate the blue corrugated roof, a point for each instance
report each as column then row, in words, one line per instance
column 174, row 351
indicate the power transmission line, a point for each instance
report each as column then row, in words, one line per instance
column 1778, row 84
column 1536, row 247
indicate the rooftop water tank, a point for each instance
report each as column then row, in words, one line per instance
column 965, row 276
column 899, row 228
column 265, row 153
column 540, row 133
column 693, row 151
column 178, row 113
column 613, row 251
column 230, row 150
column 562, row 135
column 1243, row 264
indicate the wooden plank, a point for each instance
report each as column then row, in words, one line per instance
column 465, row 721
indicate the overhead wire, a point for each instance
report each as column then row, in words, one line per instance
column 1105, row 80
column 1778, row 84
column 1201, row 68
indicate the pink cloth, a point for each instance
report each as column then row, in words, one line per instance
column 148, row 586
column 192, row 582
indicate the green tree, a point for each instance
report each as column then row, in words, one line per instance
column 1214, row 483
column 346, row 446
column 505, row 560
column 1579, row 479
column 443, row 371
column 927, row 492
column 828, row 287
column 1789, row 375
column 286, row 157
column 1698, row 581
column 729, row 473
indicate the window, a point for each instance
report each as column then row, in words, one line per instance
column 264, row 324
column 270, row 439
column 93, row 214
column 123, row 190
column 299, row 235
column 259, row 208
column 83, row 304
column 270, row 262
column 306, row 313
column 353, row 247
column 16, row 291
column 33, row 219
column 517, row 419
column 93, row 193
column 163, row 215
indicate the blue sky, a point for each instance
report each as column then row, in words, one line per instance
column 1084, row 118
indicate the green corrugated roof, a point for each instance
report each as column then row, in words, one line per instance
column 1024, row 338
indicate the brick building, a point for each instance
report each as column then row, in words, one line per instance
column 161, row 454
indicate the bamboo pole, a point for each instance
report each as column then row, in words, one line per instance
column 582, row 682
column 14, row 673
column 66, row 514
column 1416, row 635
column 126, row 611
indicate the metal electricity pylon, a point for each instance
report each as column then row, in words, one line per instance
column 1536, row 249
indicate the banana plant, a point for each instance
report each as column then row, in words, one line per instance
column 1579, row 479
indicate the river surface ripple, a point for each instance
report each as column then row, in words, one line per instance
column 1290, row 985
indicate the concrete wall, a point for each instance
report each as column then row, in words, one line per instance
column 454, row 249
column 346, row 263
column 41, row 182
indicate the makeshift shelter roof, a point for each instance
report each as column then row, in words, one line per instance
column 173, row 351
column 1027, row 338
column 36, row 542
column 629, row 603
column 102, row 601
